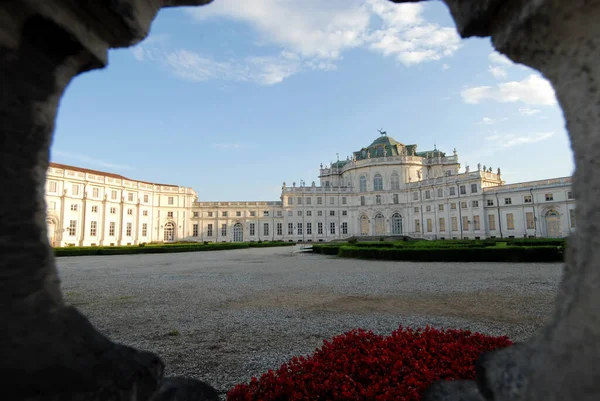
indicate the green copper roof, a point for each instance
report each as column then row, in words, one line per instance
column 384, row 146
column 340, row 163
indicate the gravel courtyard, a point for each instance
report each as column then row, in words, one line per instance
column 226, row 316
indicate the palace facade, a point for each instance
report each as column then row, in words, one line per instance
column 385, row 189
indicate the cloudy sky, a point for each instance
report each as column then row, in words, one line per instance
column 236, row 97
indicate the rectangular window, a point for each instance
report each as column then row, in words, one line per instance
column 463, row 205
column 111, row 229
column 428, row 194
column 95, row 192
column 51, row 205
column 475, row 203
column 144, row 229
column 416, row 209
column 344, row 213
column 332, row 212
column 529, row 220
column 209, row 230
column 378, row 199
column 442, row 223
column 429, row 225
column 265, row 228
column 238, row 213
column 465, row 223
column 320, row 228
column 492, row 221
column 130, row 197
column 344, row 228
column 128, row 230
column 452, row 191
column 224, row 230
column 299, row 228
column 463, row 190
column 490, row 202
column 73, row 207
column 279, row 228
column 299, row 213
column 145, row 213
column 440, row 193
column 265, row 213
column 362, row 201
column 395, row 199
column 94, row 209
column 508, row 201
column 113, row 195
column 210, row 214
column 299, row 200
column 428, row 208
column 417, row 225
column 572, row 217
column 527, row 199
column 75, row 189
column 319, row 200
column 195, row 230
column 476, row 223
column 252, row 229
column 279, row 213
column 170, row 200
column 308, row 201
column 308, row 228
column 52, row 186
column 113, row 210
column 130, row 212
column 570, row 195
column 453, row 206
column 252, row 213
column 549, row 197
column 320, row 213
column 93, row 228
column 290, row 200
column 415, row 196
column 290, row 213
column 332, row 228
column 473, row 188
column 343, row 200
column 309, row 213
column 441, row 207
column 196, row 214
column 290, row 228
column 331, row 201
column 145, row 198
column 170, row 214
column 224, row 214
column 510, row 221
column 454, row 222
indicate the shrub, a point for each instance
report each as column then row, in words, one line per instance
column 360, row 365
column 352, row 240
column 327, row 249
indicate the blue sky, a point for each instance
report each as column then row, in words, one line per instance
column 236, row 97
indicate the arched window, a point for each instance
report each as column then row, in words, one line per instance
column 169, row 233
column 379, row 224
column 395, row 181
column 364, row 225
column 238, row 233
column 396, row 224
column 378, row 182
column 363, row 183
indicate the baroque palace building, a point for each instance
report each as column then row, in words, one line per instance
column 385, row 189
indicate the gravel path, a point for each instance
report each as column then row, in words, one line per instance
column 225, row 316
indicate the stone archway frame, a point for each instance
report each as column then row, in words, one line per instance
column 51, row 348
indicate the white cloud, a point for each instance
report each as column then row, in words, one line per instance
column 533, row 90
column 491, row 121
column 511, row 140
column 497, row 72
column 526, row 111
column 312, row 35
column 89, row 160
column 445, row 67
column 497, row 58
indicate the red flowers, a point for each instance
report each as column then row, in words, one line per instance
column 360, row 365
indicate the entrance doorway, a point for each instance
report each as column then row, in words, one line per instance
column 238, row 233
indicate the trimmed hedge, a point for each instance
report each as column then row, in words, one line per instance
column 488, row 254
column 327, row 249
column 162, row 248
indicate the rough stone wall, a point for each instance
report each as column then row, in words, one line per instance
column 50, row 351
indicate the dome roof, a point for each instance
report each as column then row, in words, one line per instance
column 384, row 146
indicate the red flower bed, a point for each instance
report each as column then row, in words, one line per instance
column 360, row 365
